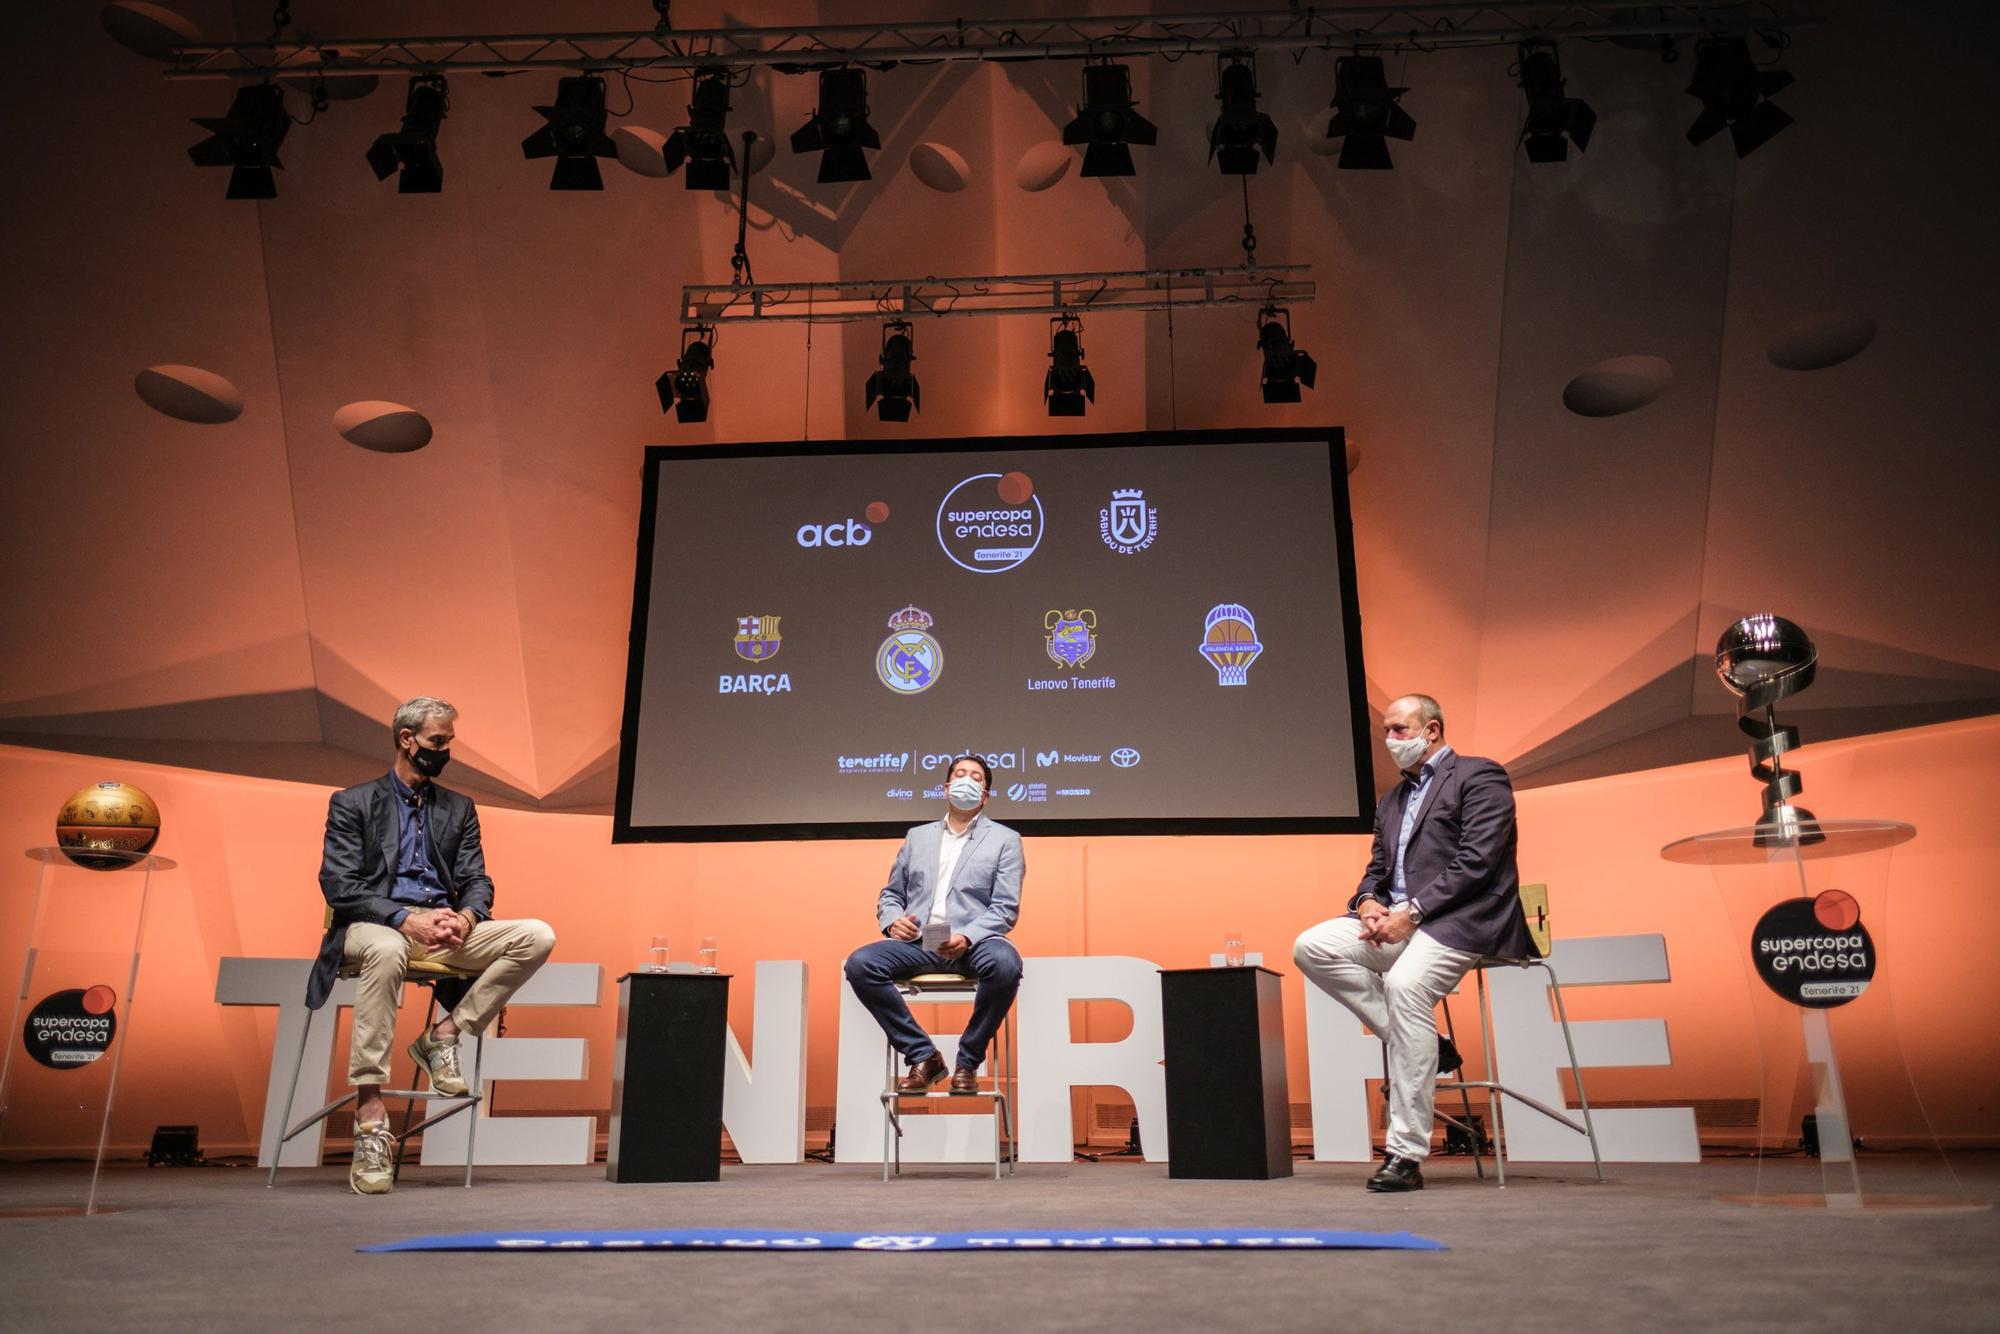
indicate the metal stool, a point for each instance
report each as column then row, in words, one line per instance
column 952, row 989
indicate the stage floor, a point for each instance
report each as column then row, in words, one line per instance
column 211, row 1248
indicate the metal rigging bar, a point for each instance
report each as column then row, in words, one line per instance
column 845, row 301
column 1341, row 28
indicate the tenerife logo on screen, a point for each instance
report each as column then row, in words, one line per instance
column 1124, row 757
column 990, row 522
column 1229, row 642
column 909, row 660
column 1129, row 525
column 757, row 637
column 1070, row 639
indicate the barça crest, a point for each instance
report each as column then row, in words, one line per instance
column 757, row 638
column 909, row 660
column 1129, row 524
column 1070, row 640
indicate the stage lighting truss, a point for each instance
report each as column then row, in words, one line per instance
column 703, row 143
column 1555, row 120
column 1286, row 365
column 1108, row 123
column 684, row 389
column 1068, row 382
column 574, row 135
column 1366, row 111
column 246, row 141
column 1734, row 92
column 838, row 129
column 893, row 390
column 1241, row 131
column 413, row 148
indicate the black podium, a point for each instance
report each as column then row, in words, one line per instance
column 666, row 1089
column 1228, row 1115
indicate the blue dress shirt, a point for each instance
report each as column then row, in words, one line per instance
column 417, row 880
column 1413, row 805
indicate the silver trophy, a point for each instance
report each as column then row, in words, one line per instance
column 1762, row 659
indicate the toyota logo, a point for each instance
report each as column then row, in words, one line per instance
column 1124, row 757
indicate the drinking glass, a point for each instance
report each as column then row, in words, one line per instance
column 708, row 953
column 656, row 956
column 1232, row 949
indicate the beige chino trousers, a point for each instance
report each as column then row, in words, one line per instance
column 505, row 954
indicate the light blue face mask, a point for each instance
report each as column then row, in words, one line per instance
column 966, row 793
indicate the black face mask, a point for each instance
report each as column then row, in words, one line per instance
column 430, row 763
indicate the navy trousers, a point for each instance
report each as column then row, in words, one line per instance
column 873, row 970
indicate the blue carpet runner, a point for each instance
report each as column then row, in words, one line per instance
column 995, row 1239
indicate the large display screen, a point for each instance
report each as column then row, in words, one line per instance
column 1146, row 633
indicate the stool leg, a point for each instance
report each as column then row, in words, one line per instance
column 478, row 1098
column 889, row 1125
column 291, row 1097
column 1575, row 1070
column 1464, row 1094
column 1493, row 1097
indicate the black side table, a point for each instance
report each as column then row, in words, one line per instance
column 666, row 1089
column 1228, row 1115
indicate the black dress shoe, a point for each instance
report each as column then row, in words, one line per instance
column 1448, row 1057
column 921, row 1077
column 1398, row 1174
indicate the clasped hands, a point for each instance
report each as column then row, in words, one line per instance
column 1384, row 926
column 907, row 927
column 436, row 928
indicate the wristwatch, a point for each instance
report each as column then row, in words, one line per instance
column 1416, row 911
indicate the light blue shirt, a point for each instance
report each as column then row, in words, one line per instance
column 1413, row 805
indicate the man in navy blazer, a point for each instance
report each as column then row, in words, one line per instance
column 1441, row 890
column 952, row 897
column 404, row 875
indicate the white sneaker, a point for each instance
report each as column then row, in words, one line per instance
column 441, row 1059
column 374, row 1169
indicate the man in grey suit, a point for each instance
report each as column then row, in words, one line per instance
column 952, row 897
column 1440, row 891
column 404, row 875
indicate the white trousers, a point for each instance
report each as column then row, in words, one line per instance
column 1394, row 989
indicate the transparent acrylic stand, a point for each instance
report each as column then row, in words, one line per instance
column 1754, row 869
column 66, row 1039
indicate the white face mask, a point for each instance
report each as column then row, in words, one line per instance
column 966, row 793
column 1407, row 751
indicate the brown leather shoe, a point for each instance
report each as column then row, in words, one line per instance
column 921, row 1077
column 964, row 1081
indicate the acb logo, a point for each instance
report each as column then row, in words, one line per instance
column 847, row 533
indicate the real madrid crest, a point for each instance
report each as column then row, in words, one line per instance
column 1070, row 641
column 909, row 660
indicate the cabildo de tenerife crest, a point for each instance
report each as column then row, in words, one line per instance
column 1128, row 525
column 909, row 661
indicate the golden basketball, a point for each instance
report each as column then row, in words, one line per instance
column 108, row 818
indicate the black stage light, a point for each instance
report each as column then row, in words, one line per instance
column 175, row 1146
column 1108, row 122
column 895, row 387
column 839, row 130
column 1068, row 382
column 703, row 143
column 1365, row 111
column 1733, row 92
column 1286, row 366
column 247, row 140
column 1554, row 120
column 574, row 135
column 1241, row 130
column 414, row 147
column 685, row 387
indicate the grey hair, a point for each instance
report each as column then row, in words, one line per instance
column 415, row 713
column 1427, row 709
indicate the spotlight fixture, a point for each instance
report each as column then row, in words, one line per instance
column 1554, row 121
column 1068, row 382
column 685, row 387
column 894, row 387
column 414, row 147
column 1286, row 365
column 246, row 141
column 1109, row 123
column 1365, row 111
column 839, row 128
column 1241, row 130
column 1735, row 93
column 703, row 143
column 574, row 135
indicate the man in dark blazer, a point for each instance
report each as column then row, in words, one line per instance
column 1441, row 890
column 952, row 897
column 405, row 877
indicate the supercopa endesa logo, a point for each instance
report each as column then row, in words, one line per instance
column 990, row 522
